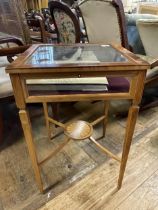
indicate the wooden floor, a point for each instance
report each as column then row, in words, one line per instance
column 81, row 177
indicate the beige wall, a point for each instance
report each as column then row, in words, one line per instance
column 44, row 3
column 37, row 4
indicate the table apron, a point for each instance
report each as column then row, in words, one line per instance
column 22, row 94
column 77, row 97
column 81, row 74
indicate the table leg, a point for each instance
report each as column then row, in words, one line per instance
column 45, row 107
column 26, row 125
column 106, row 109
column 131, row 121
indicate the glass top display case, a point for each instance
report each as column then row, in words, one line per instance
column 125, row 73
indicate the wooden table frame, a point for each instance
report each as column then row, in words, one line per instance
column 135, row 69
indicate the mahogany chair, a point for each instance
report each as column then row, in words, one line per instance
column 10, row 52
column 66, row 23
column 37, row 30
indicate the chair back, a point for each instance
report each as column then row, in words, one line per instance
column 104, row 21
column 37, row 30
column 66, row 23
column 148, row 30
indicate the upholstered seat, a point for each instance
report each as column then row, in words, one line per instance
column 5, row 84
column 132, row 31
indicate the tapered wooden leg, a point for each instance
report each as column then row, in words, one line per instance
column 45, row 107
column 26, row 125
column 131, row 121
column 106, row 109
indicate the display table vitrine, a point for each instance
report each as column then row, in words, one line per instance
column 34, row 72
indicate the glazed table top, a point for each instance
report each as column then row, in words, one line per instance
column 55, row 57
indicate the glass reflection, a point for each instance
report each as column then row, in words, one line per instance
column 48, row 55
column 42, row 55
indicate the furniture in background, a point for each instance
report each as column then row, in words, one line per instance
column 12, row 20
column 6, row 92
column 5, row 45
column 132, row 31
column 78, row 60
column 107, row 25
column 37, row 30
column 148, row 8
column 148, row 30
column 38, row 34
column 66, row 23
column 69, row 2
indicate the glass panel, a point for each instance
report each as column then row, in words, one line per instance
column 87, row 85
column 65, row 89
column 49, row 55
column 68, row 85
